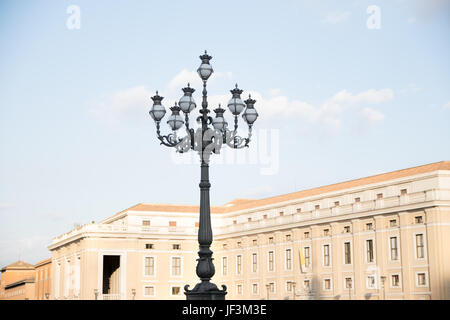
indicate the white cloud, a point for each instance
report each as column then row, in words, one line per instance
column 447, row 105
column 336, row 17
column 372, row 115
column 132, row 105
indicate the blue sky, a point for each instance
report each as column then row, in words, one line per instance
column 340, row 101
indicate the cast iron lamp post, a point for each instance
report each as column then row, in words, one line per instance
column 207, row 139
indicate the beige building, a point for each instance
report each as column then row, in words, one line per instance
column 17, row 281
column 380, row 237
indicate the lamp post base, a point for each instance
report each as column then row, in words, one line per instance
column 205, row 291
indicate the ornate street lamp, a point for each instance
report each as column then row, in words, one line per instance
column 207, row 139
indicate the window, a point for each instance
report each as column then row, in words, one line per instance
column 281, row 213
column 224, row 266
column 403, row 192
column 395, row 280
column 239, row 244
column 306, row 235
column 146, row 223
column 347, row 229
column 379, row 196
column 249, row 219
column 176, row 291
column 254, row 262
column 234, row 222
column 271, row 287
column 369, row 226
column 327, row 284
column 224, row 245
column 371, row 282
column 288, row 237
column 326, row 232
column 420, row 252
column 288, row 259
column 347, row 253
column 418, row 219
column 149, row 246
column 369, row 252
column 149, row 266
column 172, row 223
column 326, row 255
column 255, row 288
column 176, row 246
column 149, row 291
column 336, row 203
column 176, row 266
column 306, row 252
column 255, row 242
column 317, row 207
column 271, row 261
column 421, row 279
column 357, row 200
column 239, row 289
column 299, row 210
column 270, row 239
column 239, row 264
column 393, row 223
column 265, row 216
column 394, row 248
column 348, row 283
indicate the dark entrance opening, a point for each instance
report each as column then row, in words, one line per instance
column 111, row 274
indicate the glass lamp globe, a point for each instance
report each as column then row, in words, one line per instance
column 250, row 115
column 235, row 104
column 219, row 122
column 205, row 70
column 187, row 103
column 157, row 111
column 175, row 120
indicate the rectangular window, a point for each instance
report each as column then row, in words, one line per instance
column 146, row 223
column 369, row 226
column 224, row 266
column 395, row 279
column 239, row 244
column 317, row 207
column 357, row 200
column 336, row 203
column 234, row 222
column 327, row 284
column 326, row 255
column 306, row 235
column 369, row 248
column 224, row 245
column 176, row 291
column 270, row 239
column 288, row 259
column 393, row 223
column 379, row 195
column 306, row 251
column 149, row 291
column 288, row 237
column 421, row 279
column 418, row 219
column 265, row 216
column 172, row 223
column 347, row 253
column 281, row 213
column 420, row 252
column 176, row 247
column 149, row 246
column 326, row 232
column 254, row 262
column 272, row 287
column 306, row 284
column 394, row 248
column 239, row 289
column 149, row 266
column 403, row 192
column 299, row 210
column 249, row 219
column 176, row 266
column 255, row 288
column 239, row 264
column 255, row 242
column 271, row 261
column 347, row 229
